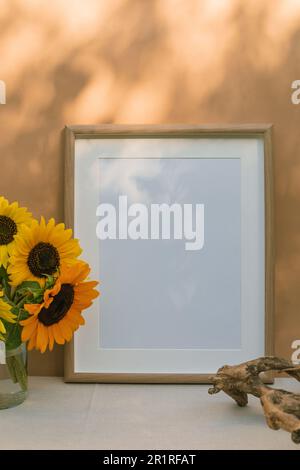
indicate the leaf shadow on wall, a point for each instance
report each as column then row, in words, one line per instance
column 158, row 61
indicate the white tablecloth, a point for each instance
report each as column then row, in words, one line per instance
column 87, row 416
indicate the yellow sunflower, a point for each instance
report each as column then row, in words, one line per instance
column 41, row 250
column 59, row 315
column 12, row 217
column 6, row 315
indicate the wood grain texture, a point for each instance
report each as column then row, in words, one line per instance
column 69, row 221
column 281, row 408
column 181, row 131
column 169, row 130
column 71, row 376
column 269, row 244
column 69, row 178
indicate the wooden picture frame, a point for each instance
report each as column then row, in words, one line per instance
column 257, row 131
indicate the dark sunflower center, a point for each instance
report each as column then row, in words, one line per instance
column 59, row 306
column 43, row 259
column 8, row 229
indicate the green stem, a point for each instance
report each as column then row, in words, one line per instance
column 7, row 289
column 19, row 306
column 17, row 369
column 20, row 372
column 5, row 282
column 21, row 301
column 11, row 368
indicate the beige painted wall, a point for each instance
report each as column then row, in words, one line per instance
column 151, row 61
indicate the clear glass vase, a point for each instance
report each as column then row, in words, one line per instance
column 13, row 377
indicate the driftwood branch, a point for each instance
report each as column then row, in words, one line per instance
column 281, row 408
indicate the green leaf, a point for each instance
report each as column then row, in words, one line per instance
column 50, row 281
column 29, row 292
column 21, row 313
column 3, row 273
column 37, row 298
column 4, row 280
column 29, row 285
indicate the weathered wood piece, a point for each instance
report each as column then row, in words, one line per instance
column 281, row 408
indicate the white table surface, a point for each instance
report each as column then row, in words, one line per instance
column 87, row 416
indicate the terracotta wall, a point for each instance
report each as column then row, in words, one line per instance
column 151, row 61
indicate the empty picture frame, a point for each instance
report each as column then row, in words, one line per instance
column 176, row 223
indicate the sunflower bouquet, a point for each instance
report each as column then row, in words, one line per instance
column 43, row 286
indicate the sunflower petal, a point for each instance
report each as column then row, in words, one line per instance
column 33, row 309
column 42, row 338
column 2, row 327
column 65, row 250
column 32, row 341
column 57, row 334
column 51, row 338
column 29, row 330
